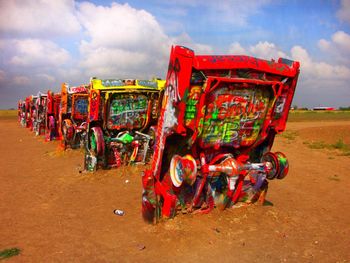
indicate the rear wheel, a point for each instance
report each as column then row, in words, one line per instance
column 97, row 145
column 95, row 149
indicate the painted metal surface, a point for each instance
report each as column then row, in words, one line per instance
column 40, row 114
column 73, row 115
column 124, row 110
column 217, row 124
column 52, row 116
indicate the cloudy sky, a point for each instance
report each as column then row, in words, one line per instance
column 46, row 42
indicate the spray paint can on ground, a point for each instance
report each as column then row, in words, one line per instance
column 119, row 212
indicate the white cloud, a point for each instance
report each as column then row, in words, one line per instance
column 324, row 45
column 236, row 49
column 38, row 18
column 36, row 52
column 313, row 71
column 185, row 40
column 123, row 41
column 342, row 40
column 338, row 47
column 113, row 62
column 263, row 50
column 21, row 80
column 120, row 41
column 299, row 53
column 120, row 26
column 344, row 12
column 126, row 42
column 319, row 70
column 45, row 77
column 266, row 50
column 320, row 83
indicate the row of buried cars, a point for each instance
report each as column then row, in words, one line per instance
column 113, row 118
column 206, row 131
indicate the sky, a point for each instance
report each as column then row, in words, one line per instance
column 44, row 43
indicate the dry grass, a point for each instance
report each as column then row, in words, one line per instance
column 8, row 113
column 338, row 145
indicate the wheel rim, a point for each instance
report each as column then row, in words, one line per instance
column 272, row 158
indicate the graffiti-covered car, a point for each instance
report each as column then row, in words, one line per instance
column 52, row 116
column 73, row 114
column 22, row 112
column 30, row 111
column 39, row 120
column 121, row 119
column 26, row 120
column 218, row 121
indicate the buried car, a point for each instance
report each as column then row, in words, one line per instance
column 39, row 121
column 218, row 120
column 52, row 116
column 121, row 119
column 22, row 112
column 73, row 115
column 30, row 111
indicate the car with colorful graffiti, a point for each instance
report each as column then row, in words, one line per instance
column 21, row 108
column 73, row 115
column 39, row 120
column 219, row 117
column 26, row 112
column 122, row 117
column 52, row 116
column 30, row 111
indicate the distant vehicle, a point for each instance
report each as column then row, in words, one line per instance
column 217, row 124
column 323, row 108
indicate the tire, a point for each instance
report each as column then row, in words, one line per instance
column 283, row 165
column 272, row 158
column 96, row 141
column 95, row 149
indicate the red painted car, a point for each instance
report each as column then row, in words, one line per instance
column 73, row 115
column 30, row 111
column 39, row 120
column 217, row 124
column 52, row 116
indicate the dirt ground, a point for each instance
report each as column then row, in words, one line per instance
column 53, row 213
